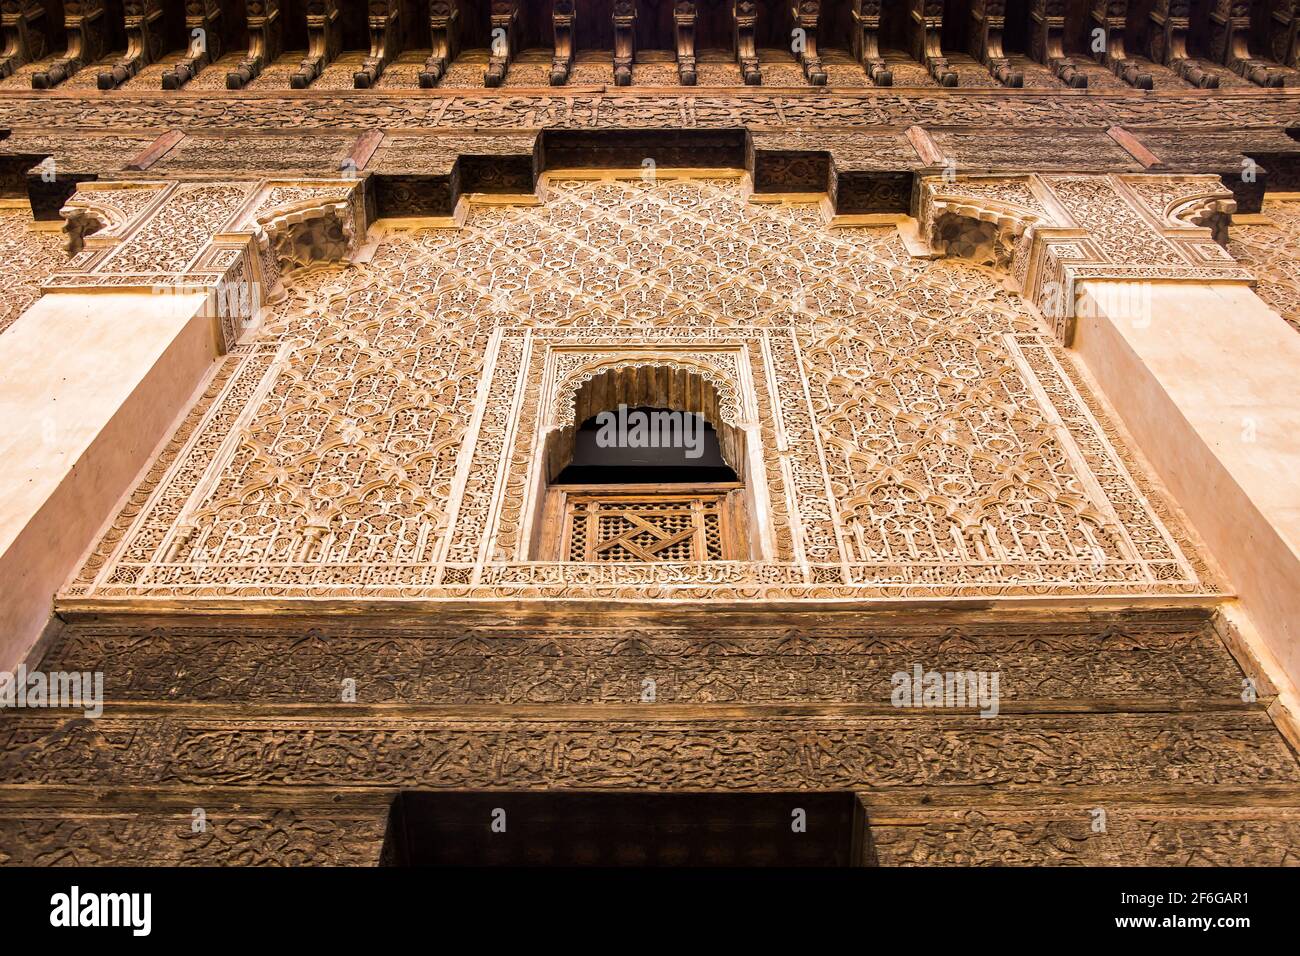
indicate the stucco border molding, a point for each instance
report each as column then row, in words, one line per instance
column 1048, row 232
column 231, row 241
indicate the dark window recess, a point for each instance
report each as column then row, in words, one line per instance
column 626, row 829
column 637, row 463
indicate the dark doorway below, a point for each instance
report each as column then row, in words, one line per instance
column 625, row 829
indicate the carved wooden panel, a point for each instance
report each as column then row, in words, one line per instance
column 650, row 526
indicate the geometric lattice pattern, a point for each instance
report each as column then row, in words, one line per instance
column 29, row 258
column 919, row 432
column 1272, row 253
column 654, row 528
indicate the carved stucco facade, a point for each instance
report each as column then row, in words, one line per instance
column 379, row 434
column 316, row 341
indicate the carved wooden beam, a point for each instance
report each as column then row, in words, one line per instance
column 1230, row 43
column 324, row 40
column 865, row 40
column 23, row 35
column 1284, row 31
column 203, row 25
column 265, row 39
column 927, row 46
column 988, row 20
column 444, row 27
column 1047, row 42
column 385, row 36
column 806, row 14
column 1169, row 25
column 684, row 14
column 144, row 42
column 744, row 15
column 505, row 38
column 624, row 17
column 1111, row 17
column 564, row 20
column 86, row 26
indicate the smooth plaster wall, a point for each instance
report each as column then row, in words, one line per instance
column 1209, row 385
column 89, row 385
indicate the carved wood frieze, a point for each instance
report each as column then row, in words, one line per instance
column 477, row 700
column 265, row 41
column 324, row 41
column 1044, row 834
column 83, row 20
column 178, row 747
column 459, row 110
column 1168, row 658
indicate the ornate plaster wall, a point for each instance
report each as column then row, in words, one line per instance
column 922, row 432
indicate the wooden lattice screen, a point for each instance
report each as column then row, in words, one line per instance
column 622, row 526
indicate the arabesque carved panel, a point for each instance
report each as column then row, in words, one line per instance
column 921, row 433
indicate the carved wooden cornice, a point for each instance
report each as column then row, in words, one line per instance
column 23, row 23
column 684, row 14
column 1170, row 23
column 1229, row 43
column 385, row 25
column 265, row 32
column 324, row 42
column 926, row 28
column 564, row 17
column 444, row 28
column 84, row 22
column 504, row 40
column 865, row 41
column 1047, row 41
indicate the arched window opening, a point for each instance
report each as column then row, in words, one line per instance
column 649, row 470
